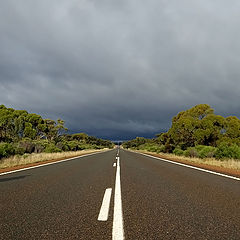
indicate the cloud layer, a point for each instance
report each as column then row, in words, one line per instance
column 119, row 68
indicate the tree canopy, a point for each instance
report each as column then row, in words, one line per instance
column 17, row 124
column 197, row 126
column 22, row 132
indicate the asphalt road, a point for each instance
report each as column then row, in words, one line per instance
column 146, row 199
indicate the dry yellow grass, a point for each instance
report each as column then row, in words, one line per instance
column 229, row 163
column 40, row 157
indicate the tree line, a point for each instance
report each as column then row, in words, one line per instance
column 196, row 132
column 22, row 132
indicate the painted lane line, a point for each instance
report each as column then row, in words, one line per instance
column 117, row 231
column 103, row 214
column 196, row 168
column 47, row 164
column 118, row 159
column 114, row 164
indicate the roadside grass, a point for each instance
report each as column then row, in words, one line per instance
column 226, row 163
column 26, row 159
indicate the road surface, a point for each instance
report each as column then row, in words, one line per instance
column 118, row 196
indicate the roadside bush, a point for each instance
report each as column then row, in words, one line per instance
column 201, row 151
column 205, row 151
column 178, row 151
column 40, row 145
column 94, row 147
column 19, row 150
column 82, row 146
column 63, row 146
column 6, row 150
column 224, row 150
column 51, row 148
column 73, row 145
column 151, row 147
column 27, row 145
column 191, row 152
column 161, row 148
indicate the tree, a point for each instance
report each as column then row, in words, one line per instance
column 53, row 129
column 29, row 131
column 200, row 126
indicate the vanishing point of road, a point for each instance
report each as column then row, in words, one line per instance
column 118, row 195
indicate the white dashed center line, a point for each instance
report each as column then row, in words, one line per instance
column 117, row 231
column 103, row 214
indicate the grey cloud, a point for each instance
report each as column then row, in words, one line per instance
column 119, row 68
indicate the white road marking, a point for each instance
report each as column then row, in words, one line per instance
column 114, row 164
column 196, row 168
column 46, row 164
column 117, row 231
column 103, row 214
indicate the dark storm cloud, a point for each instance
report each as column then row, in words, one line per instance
column 119, row 68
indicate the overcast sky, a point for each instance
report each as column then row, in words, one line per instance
column 119, row 69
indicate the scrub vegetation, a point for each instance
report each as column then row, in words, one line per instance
column 196, row 133
column 23, row 134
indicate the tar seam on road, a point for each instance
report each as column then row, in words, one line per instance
column 117, row 231
column 103, row 214
column 46, row 164
column 189, row 166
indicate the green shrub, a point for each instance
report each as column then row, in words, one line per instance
column 63, row 146
column 6, row 150
column 206, row 151
column 51, row 148
column 27, row 145
column 19, row 150
column 178, row 151
column 224, row 150
column 151, row 147
column 201, row 151
column 191, row 152
column 40, row 145
column 82, row 146
column 161, row 148
column 95, row 147
column 73, row 145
